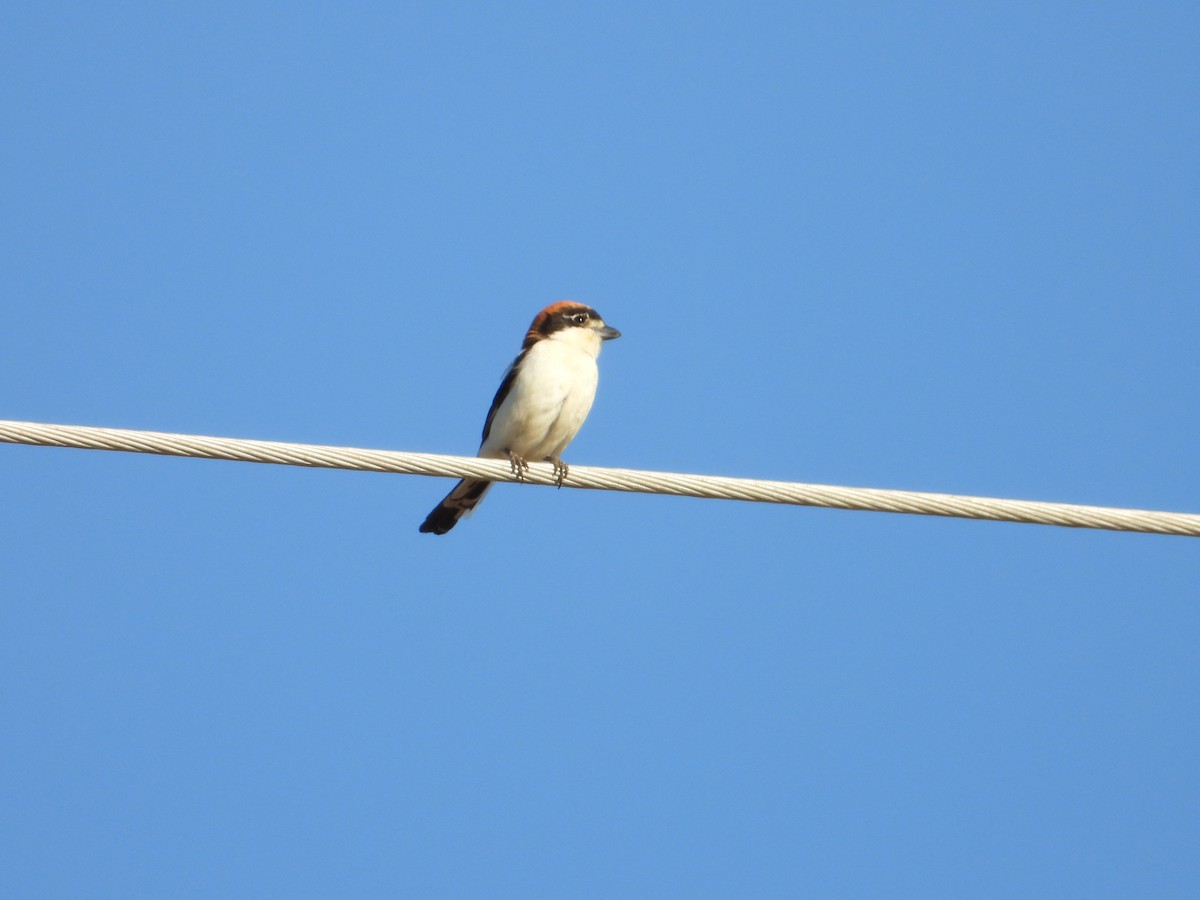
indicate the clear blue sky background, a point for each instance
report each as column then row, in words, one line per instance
column 936, row 246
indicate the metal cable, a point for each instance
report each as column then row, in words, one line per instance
column 706, row 486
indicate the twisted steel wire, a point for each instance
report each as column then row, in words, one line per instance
column 704, row 486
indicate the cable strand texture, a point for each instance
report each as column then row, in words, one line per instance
column 704, row 486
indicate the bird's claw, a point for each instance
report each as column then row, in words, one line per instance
column 560, row 469
column 519, row 466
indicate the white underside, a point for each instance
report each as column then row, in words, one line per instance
column 549, row 399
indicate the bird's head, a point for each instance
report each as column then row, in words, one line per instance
column 570, row 322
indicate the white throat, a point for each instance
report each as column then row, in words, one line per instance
column 584, row 339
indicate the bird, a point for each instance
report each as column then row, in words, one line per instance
column 544, row 397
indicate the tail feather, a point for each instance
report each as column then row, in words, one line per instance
column 458, row 503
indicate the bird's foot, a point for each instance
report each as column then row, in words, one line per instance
column 560, row 469
column 519, row 466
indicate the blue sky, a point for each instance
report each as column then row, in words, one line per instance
column 947, row 247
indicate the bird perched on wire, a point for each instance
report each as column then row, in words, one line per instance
column 542, row 402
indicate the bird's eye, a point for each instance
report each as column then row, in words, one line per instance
column 579, row 318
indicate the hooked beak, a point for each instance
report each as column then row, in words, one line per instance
column 607, row 333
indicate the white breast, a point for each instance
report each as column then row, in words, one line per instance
column 548, row 402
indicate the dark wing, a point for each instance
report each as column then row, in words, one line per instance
column 505, row 387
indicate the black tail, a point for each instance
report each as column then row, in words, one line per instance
column 458, row 503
